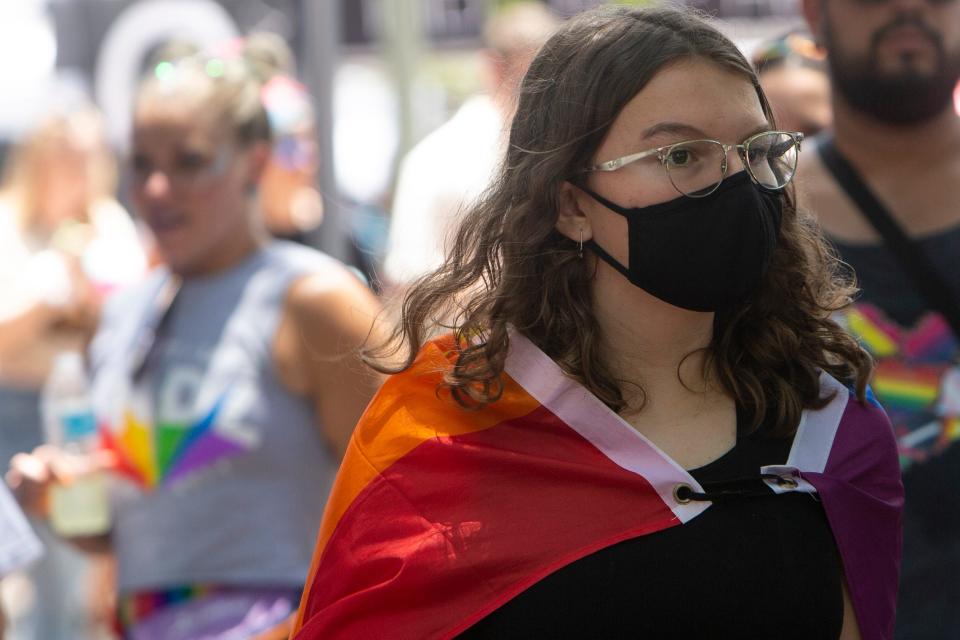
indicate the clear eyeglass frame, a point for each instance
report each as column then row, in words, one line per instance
column 743, row 150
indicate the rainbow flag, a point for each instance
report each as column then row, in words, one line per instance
column 930, row 340
column 160, row 455
column 915, row 378
column 440, row 515
column 909, row 387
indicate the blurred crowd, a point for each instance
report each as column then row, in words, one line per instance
column 220, row 344
column 196, row 294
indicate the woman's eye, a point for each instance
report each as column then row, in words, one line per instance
column 756, row 155
column 680, row 157
column 192, row 162
column 140, row 164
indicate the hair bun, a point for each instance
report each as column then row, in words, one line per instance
column 268, row 55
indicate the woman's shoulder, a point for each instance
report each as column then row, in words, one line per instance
column 412, row 404
column 426, row 374
column 314, row 278
column 302, row 259
column 868, row 415
column 844, row 405
column 861, row 435
column 323, row 300
column 419, row 402
column 420, row 390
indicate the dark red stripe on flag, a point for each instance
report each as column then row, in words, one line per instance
column 461, row 525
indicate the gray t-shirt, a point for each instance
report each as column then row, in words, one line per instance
column 223, row 472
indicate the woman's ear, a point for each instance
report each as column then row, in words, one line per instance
column 571, row 220
column 259, row 155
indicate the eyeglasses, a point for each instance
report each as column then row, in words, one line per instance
column 187, row 170
column 697, row 167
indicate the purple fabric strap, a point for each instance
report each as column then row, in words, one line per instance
column 862, row 495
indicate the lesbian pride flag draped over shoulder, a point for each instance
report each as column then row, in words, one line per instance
column 440, row 515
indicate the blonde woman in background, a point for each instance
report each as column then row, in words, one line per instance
column 65, row 242
column 224, row 382
column 287, row 197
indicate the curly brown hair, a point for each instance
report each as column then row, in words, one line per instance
column 510, row 267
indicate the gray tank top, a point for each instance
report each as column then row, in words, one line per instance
column 223, row 472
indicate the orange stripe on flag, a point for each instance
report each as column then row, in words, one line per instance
column 399, row 419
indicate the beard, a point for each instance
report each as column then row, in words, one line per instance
column 905, row 97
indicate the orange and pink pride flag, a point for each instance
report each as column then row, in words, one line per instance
column 440, row 515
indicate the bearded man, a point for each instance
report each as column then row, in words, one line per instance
column 885, row 184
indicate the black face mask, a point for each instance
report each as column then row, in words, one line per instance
column 702, row 254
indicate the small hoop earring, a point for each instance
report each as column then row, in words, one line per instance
column 580, row 248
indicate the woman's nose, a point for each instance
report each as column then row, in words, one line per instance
column 157, row 184
column 735, row 162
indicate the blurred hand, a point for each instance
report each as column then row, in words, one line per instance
column 30, row 477
column 32, row 474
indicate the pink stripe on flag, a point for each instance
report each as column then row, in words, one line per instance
column 587, row 415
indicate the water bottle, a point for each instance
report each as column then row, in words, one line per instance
column 80, row 505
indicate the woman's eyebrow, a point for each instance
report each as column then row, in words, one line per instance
column 761, row 128
column 678, row 128
column 682, row 129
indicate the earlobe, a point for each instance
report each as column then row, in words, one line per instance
column 259, row 159
column 571, row 220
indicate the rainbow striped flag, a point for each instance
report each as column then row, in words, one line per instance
column 440, row 515
column 916, row 378
column 161, row 454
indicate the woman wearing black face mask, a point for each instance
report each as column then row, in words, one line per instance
column 644, row 423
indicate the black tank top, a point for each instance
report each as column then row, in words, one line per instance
column 745, row 568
